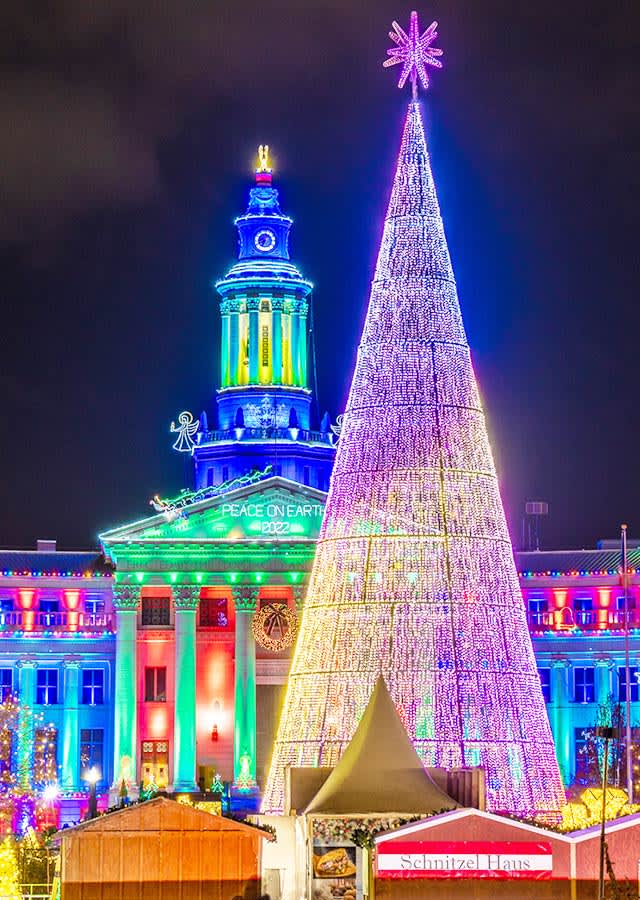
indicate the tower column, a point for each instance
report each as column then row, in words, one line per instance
column 234, row 342
column 294, row 345
column 126, row 599
column 224, row 346
column 245, row 599
column 185, row 601
column 254, row 340
column 560, row 721
column 71, row 725
column 302, row 354
column 276, row 340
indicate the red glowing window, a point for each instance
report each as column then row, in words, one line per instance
column 214, row 612
column 155, row 684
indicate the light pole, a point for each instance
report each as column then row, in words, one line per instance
column 627, row 669
column 607, row 734
column 92, row 777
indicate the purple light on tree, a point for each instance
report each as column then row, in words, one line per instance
column 414, row 52
column 414, row 576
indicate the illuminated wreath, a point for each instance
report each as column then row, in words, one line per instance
column 275, row 626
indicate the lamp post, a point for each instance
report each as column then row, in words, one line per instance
column 607, row 734
column 627, row 668
column 92, row 777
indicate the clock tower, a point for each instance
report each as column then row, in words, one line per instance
column 264, row 400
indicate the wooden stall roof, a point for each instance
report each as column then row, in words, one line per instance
column 162, row 814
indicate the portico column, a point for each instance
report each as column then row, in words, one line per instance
column 185, row 601
column 126, row 598
column 603, row 679
column 560, row 719
column 70, row 725
column 254, row 340
column 245, row 599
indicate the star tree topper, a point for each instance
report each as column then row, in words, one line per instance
column 413, row 50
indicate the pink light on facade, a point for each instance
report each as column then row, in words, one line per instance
column 414, row 576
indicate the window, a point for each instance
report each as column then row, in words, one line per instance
column 265, row 345
column 47, row 687
column 45, row 755
column 6, row 684
column 545, row 684
column 584, row 611
column 214, row 612
column 584, row 690
column 49, row 605
column 155, row 764
column 156, row 611
column 581, row 755
column 225, row 473
column 306, row 475
column 6, row 604
column 209, row 477
column 93, row 686
column 94, row 605
column 620, row 610
column 537, row 610
column 155, row 684
column 622, row 684
column 91, row 751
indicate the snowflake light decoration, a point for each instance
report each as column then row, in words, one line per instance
column 413, row 50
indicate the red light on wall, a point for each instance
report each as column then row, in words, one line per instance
column 214, row 733
column 26, row 598
column 72, row 599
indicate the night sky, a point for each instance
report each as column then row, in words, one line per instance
column 129, row 135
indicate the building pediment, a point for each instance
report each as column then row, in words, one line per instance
column 271, row 509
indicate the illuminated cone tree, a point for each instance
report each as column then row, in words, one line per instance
column 414, row 576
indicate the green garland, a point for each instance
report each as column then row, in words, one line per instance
column 360, row 831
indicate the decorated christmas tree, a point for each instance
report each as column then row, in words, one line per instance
column 9, row 882
column 414, row 576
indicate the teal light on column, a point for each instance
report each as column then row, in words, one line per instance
column 295, row 350
column 27, row 691
column 303, row 351
column 603, row 681
column 244, row 736
column 276, row 347
column 224, row 354
column 234, row 346
column 125, row 601
column 71, row 727
column 560, row 717
column 254, row 344
column 186, row 598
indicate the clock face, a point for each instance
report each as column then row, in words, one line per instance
column 265, row 240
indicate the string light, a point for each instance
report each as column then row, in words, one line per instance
column 414, row 575
column 9, row 881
